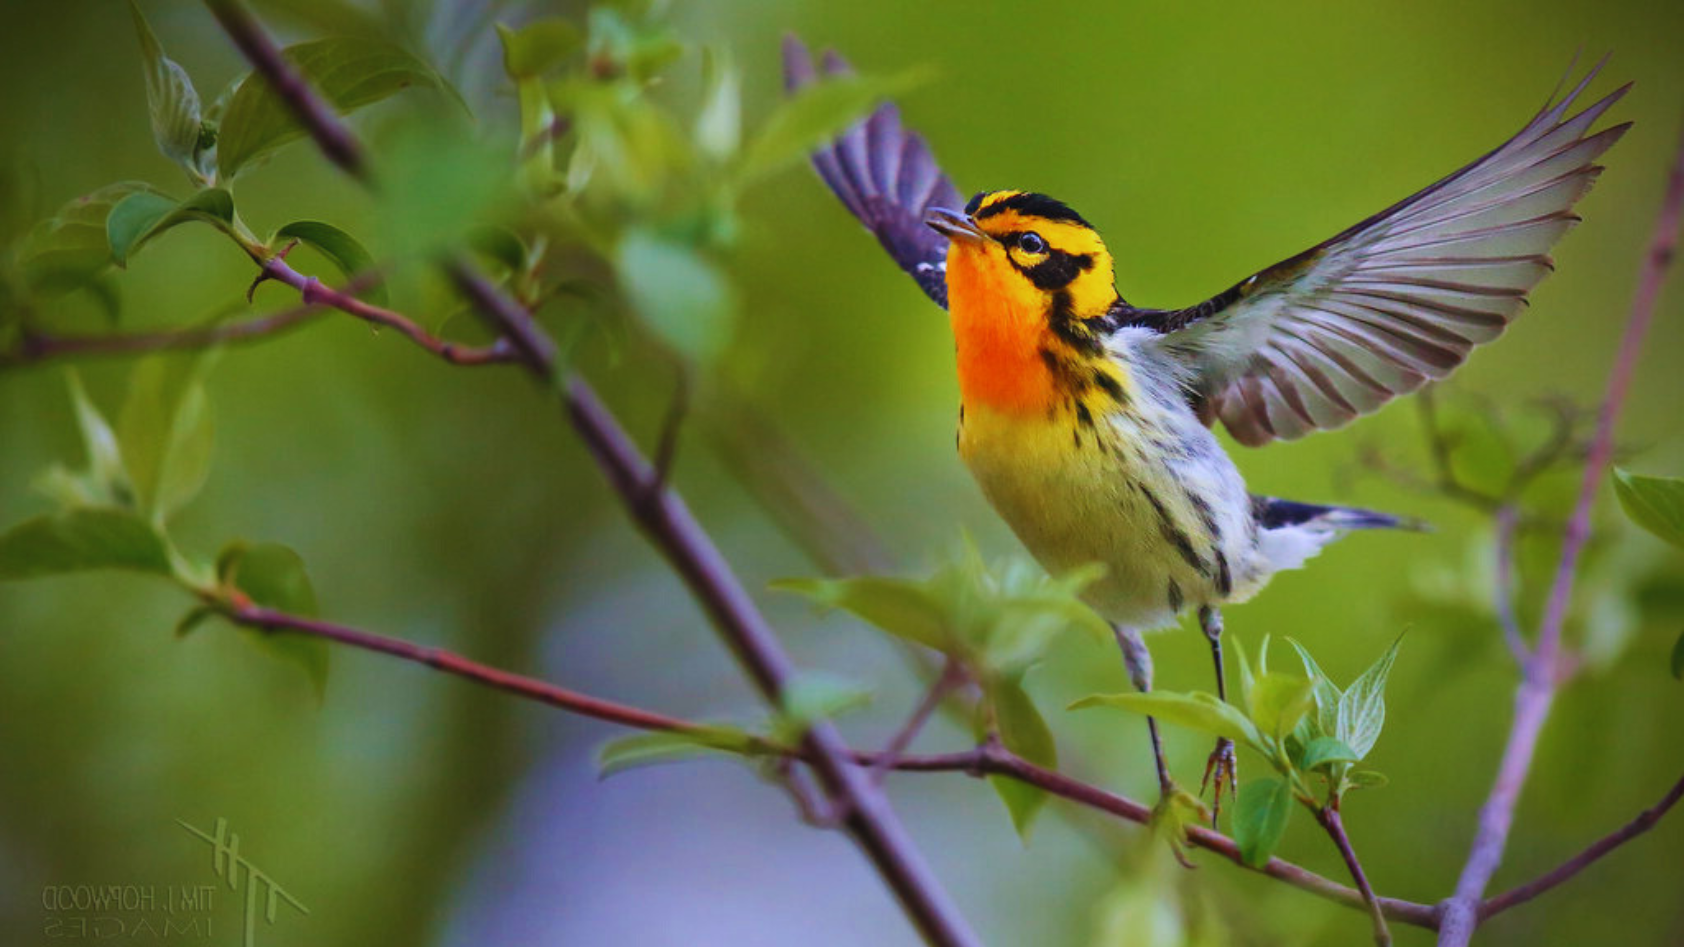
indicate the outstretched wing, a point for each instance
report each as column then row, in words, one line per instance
column 1395, row 301
column 886, row 177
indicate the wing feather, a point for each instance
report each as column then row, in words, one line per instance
column 884, row 175
column 1397, row 300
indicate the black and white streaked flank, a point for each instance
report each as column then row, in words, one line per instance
column 1329, row 334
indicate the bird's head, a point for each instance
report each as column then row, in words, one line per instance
column 1029, row 251
column 1027, row 281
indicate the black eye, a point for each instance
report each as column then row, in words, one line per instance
column 1031, row 242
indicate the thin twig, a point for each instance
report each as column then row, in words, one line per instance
column 1507, row 519
column 1542, row 672
column 334, row 140
column 1329, row 818
column 995, row 760
column 34, row 346
column 315, row 292
column 449, row 662
column 1440, row 448
column 952, row 675
column 1593, row 853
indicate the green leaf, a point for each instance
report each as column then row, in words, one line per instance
column 107, row 478
column 439, row 180
column 1248, row 677
column 196, row 616
column 341, row 249
column 1278, row 702
column 1678, row 658
column 166, row 433
column 719, row 123
column 678, row 293
column 1366, row 779
column 1198, row 711
column 1262, row 811
column 503, row 246
column 814, row 115
column 898, row 606
column 348, row 72
column 81, row 540
column 132, row 217
column 647, row 749
column 273, row 575
column 1654, row 503
column 623, row 44
column 1324, row 750
column 1025, row 732
column 68, row 250
column 538, row 47
column 1030, row 610
column 1362, row 710
column 140, row 217
column 812, row 697
column 171, row 100
column 998, row 620
column 1323, row 689
column 340, row 17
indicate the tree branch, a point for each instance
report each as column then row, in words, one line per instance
column 1329, row 818
column 1542, row 671
column 952, row 676
column 996, row 760
column 315, row 292
column 335, row 140
column 988, row 759
column 34, row 347
column 528, row 688
column 1507, row 519
column 1593, row 853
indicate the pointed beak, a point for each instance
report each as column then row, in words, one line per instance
column 954, row 226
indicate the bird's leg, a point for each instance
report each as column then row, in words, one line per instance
column 1221, row 765
column 1138, row 660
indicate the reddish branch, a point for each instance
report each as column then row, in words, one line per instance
column 1541, row 672
column 988, row 759
column 316, row 293
column 335, row 140
column 268, row 619
column 1330, row 821
column 1593, row 853
column 33, row 346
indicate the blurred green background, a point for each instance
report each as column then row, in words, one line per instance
column 452, row 507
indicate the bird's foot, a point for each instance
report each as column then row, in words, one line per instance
column 1220, row 768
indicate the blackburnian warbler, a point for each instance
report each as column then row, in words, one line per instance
column 1086, row 420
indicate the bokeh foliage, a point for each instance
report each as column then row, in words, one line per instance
column 451, row 507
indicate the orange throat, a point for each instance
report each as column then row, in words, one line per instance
column 1000, row 333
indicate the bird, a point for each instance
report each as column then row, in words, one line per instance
column 1087, row 421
